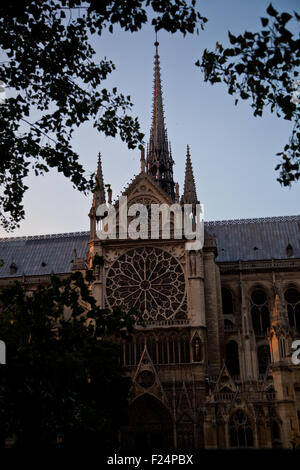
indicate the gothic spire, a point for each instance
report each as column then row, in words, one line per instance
column 99, row 194
column 189, row 192
column 142, row 160
column 279, row 317
column 159, row 159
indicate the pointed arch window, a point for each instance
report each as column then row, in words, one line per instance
column 260, row 312
column 184, row 350
column 151, row 347
column 227, row 302
column 160, row 351
column 275, row 431
column 176, row 351
column 282, row 350
column 166, row 349
column 292, row 298
column 139, row 348
column 232, row 358
column 228, row 325
column 122, row 354
column 129, row 356
column 263, row 356
column 171, row 350
column 241, row 434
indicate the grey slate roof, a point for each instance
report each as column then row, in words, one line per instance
column 256, row 239
column 243, row 239
column 55, row 251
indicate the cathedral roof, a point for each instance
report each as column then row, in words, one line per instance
column 256, row 239
column 244, row 239
column 42, row 254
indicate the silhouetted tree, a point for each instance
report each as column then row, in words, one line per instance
column 62, row 375
column 263, row 67
column 57, row 86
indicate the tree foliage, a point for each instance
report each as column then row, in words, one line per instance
column 55, row 85
column 263, row 67
column 62, row 375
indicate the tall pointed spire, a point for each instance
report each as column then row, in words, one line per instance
column 142, row 160
column 189, row 192
column 279, row 316
column 99, row 194
column 159, row 159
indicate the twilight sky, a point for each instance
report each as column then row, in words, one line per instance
column 233, row 153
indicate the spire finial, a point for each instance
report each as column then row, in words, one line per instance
column 99, row 194
column 176, row 192
column 143, row 162
column 279, row 316
column 189, row 193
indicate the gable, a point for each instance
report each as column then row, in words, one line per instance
column 143, row 189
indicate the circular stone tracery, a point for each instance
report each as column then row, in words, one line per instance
column 145, row 285
column 149, row 279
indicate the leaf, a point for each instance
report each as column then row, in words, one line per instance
column 264, row 21
column 232, row 38
column 244, row 95
column 240, row 68
column 248, row 35
column 271, row 11
column 285, row 17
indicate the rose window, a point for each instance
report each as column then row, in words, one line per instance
column 149, row 279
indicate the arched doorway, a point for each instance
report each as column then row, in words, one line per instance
column 149, row 427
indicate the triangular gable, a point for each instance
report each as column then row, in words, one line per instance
column 225, row 380
column 155, row 388
column 184, row 406
column 152, row 188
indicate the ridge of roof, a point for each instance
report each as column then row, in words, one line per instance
column 46, row 236
column 284, row 218
column 209, row 223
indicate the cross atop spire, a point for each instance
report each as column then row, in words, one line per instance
column 189, row 193
column 159, row 160
column 99, row 194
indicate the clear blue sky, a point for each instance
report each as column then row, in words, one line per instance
column 233, row 153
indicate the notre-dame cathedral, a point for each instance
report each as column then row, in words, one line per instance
column 211, row 364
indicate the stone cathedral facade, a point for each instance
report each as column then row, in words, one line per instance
column 211, row 365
